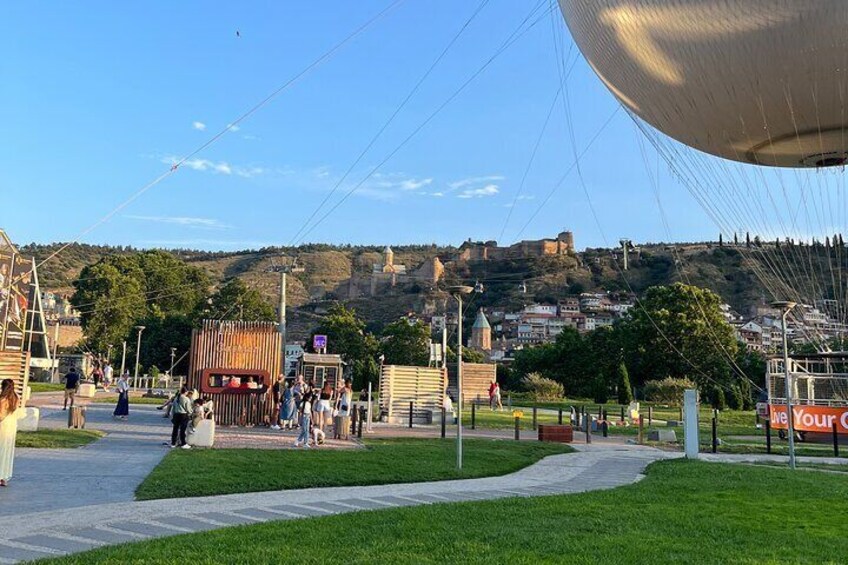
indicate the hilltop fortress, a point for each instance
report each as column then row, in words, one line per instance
column 490, row 251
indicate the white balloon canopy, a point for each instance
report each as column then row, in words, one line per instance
column 757, row 81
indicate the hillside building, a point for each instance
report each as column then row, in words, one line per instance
column 490, row 251
column 481, row 333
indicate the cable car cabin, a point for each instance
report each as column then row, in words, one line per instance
column 235, row 364
column 320, row 368
column 819, row 394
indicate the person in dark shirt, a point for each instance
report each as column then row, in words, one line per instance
column 72, row 380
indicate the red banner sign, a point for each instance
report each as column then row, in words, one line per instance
column 810, row 418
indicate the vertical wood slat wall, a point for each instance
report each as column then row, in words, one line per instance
column 237, row 345
column 15, row 365
column 400, row 385
column 476, row 378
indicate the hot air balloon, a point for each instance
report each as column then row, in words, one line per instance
column 755, row 81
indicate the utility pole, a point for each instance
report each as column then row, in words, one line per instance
column 786, row 306
column 284, row 270
column 109, row 352
column 137, row 355
column 124, row 357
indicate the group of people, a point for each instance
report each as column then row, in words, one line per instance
column 186, row 410
column 72, row 380
column 311, row 409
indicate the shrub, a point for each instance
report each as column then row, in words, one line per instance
column 667, row 390
column 541, row 388
column 153, row 372
column 735, row 399
column 625, row 393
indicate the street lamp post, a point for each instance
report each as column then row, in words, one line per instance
column 124, row 357
column 109, row 352
column 137, row 355
column 173, row 354
column 458, row 292
column 786, row 306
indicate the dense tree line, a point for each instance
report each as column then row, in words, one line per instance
column 676, row 331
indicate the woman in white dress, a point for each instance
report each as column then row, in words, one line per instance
column 8, row 429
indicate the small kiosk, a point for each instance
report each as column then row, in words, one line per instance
column 235, row 364
column 320, row 368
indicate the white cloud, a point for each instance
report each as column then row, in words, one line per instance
column 201, row 223
column 437, row 194
column 199, row 126
column 482, row 192
column 462, row 183
column 219, row 167
column 233, row 127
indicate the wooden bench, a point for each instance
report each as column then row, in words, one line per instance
column 556, row 433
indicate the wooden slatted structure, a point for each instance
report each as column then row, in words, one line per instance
column 225, row 352
column 400, row 385
column 15, row 365
column 476, row 378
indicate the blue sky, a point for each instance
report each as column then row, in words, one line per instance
column 99, row 98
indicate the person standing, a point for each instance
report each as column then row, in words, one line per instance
column 8, row 429
column 276, row 392
column 305, row 417
column 107, row 376
column 122, row 410
column 288, row 407
column 97, row 374
column 496, row 398
column 343, row 407
column 72, row 380
column 181, row 410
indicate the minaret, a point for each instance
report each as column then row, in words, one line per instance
column 481, row 333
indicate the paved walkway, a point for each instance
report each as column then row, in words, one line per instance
column 71, row 530
column 108, row 470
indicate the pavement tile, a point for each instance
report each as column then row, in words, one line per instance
column 393, row 500
column 187, row 522
column 331, row 507
column 224, row 518
column 102, row 535
column 44, row 540
column 299, row 510
column 363, row 503
column 18, row 554
column 144, row 529
column 259, row 514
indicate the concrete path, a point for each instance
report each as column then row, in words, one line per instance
column 108, row 470
column 61, row 531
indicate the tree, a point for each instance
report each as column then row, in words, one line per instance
column 468, row 355
column 346, row 336
column 119, row 291
column 625, row 394
column 235, row 301
column 406, row 343
column 720, row 240
column 679, row 331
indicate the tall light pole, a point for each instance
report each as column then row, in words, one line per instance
column 124, row 357
column 137, row 354
column 109, row 352
column 284, row 270
column 458, row 292
column 173, row 354
column 786, row 306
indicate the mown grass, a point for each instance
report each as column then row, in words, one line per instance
column 384, row 461
column 52, row 439
column 133, row 400
column 46, row 387
column 683, row 512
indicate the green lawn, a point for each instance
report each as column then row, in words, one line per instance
column 683, row 512
column 50, row 439
column 384, row 461
column 836, row 468
column 133, row 400
column 46, row 387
